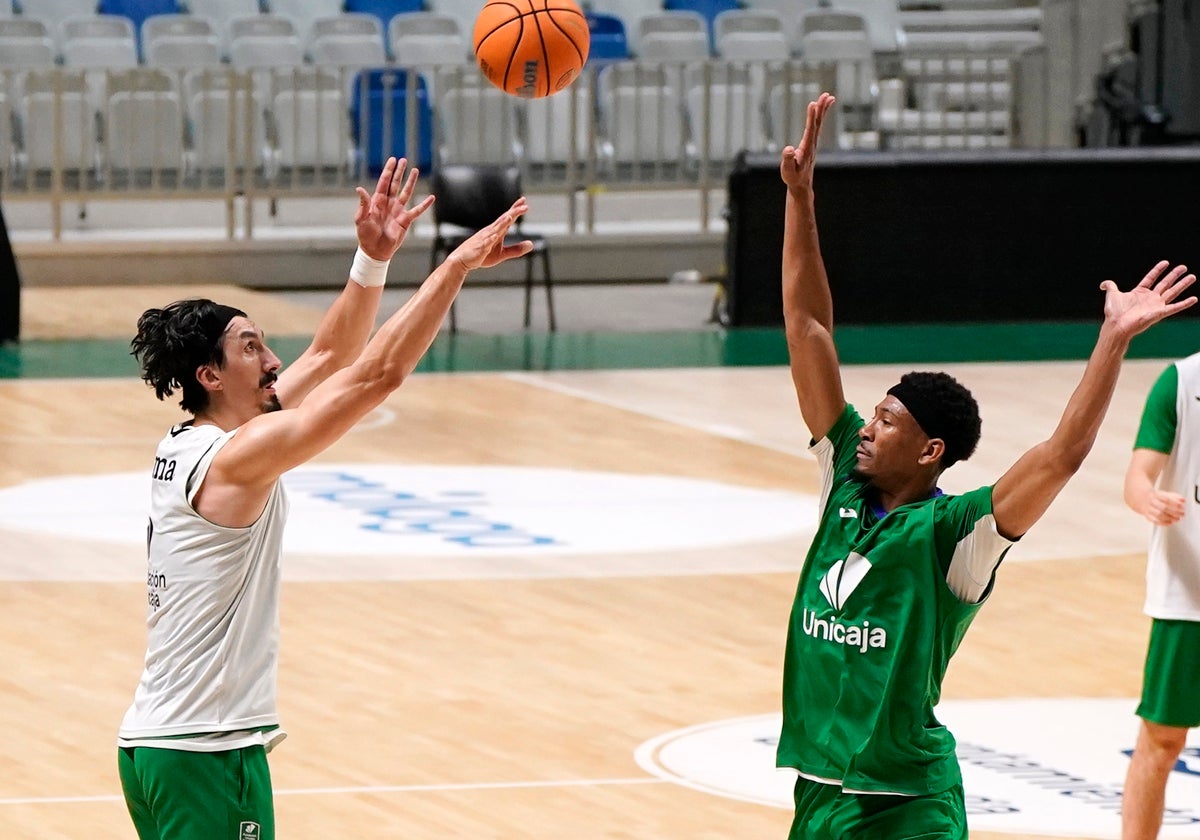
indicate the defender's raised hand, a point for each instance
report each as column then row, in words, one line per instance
column 1149, row 302
column 796, row 166
column 383, row 219
column 486, row 248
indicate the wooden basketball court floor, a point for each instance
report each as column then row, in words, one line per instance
column 507, row 699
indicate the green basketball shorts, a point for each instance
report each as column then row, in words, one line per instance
column 1170, row 690
column 823, row 812
column 178, row 795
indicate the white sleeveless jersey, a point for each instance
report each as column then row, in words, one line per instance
column 1173, row 570
column 213, row 644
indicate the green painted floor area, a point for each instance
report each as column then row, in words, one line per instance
column 903, row 344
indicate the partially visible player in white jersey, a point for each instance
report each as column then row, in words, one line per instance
column 1161, row 484
column 192, row 746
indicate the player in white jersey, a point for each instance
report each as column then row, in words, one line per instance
column 192, row 747
column 1161, row 484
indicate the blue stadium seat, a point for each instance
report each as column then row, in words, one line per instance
column 609, row 40
column 138, row 11
column 385, row 10
column 379, row 118
column 708, row 8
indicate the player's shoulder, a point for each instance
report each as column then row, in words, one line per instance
column 1187, row 363
column 187, row 435
column 972, row 504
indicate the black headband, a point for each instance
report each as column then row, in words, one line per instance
column 214, row 322
column 925, row 408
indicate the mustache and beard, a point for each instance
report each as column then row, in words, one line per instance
column 272, row 403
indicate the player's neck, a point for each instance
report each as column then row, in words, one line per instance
column 917, row 490
column 224, row 417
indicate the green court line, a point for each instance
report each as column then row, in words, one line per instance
column 899, row 344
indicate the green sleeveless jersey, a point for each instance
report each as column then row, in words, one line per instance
column 873, row 626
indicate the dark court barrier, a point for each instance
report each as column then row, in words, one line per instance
column 10, row 289
column 946, row 237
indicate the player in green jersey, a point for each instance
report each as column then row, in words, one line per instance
column 897, row 569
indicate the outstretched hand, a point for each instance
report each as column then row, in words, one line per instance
column 796, row 167
column 1149, row 302
column 383, row 219
column 486, row 247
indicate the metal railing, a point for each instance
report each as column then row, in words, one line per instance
column 72, row 134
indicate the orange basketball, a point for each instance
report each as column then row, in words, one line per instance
column 531, row 48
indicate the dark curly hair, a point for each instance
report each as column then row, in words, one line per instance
column 943, row 408
column 171, row 343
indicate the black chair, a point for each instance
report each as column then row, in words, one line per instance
column 470, row 197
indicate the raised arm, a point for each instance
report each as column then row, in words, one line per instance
column 1025, row 492
column 807, row 303
column 381, row 223
column 271, row 444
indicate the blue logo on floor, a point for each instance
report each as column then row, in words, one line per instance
column 453, row 515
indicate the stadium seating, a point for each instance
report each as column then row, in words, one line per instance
column 385, row 10
column 347, row 40
column 707, row 9
column 884, row 30
column 464, row 11
column 789, row 12
column 673, row 37
column 98, row 42
column 309, row 119
column 54, row 12
column 227, row 131
column 841, row 40
column 378, row 108
column 556, row 130
column 45, row 93
column 751, row 35
column 302, row 13
column 426, row 39
column 220, row 12
column 641, row 119
column 477, row 120
column 143, row 124
column 610, row 41
column 25, row 42
column 955, row 83
column 180, row 41
column 264, row 41
column 906, row 75
column 725, row 108
column 629, row 12
column 138, row 10
column 789, row 87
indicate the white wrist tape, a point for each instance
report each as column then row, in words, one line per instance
column 368, row 272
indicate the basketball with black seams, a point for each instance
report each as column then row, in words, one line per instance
column 531, row 48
